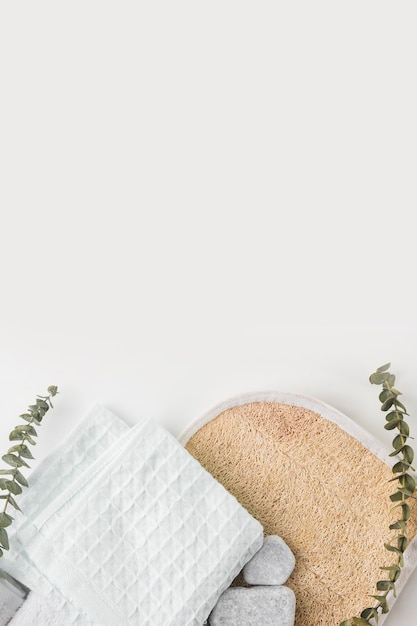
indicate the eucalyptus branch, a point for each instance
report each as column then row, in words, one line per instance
column 11, row 479
column 406, row 486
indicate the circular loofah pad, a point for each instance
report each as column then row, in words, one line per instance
column 312, row 476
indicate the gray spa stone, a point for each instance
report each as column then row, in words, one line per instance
column 254, row 606
column 271, row 565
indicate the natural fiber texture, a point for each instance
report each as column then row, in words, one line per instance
column 319, row 488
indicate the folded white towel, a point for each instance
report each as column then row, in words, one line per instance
column 141, row 534
column 37, row 611
column 11, row 599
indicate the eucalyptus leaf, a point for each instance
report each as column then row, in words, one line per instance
column 13, row 502
column 4, row 539
column 408, row 454
column 387, row 404
column 16, row 435
column 385, row 394
column 5, row 520
column 406, row 511
column 404, row 428
column 393, row 415
column 12, row 459
column 408, row 482
column 12, row 480
column 13, row 487
column 402, row 543
column 22, row 449
column 21, row 479
column 384, row 585
column 400, row 466
column 383, row 368
column 377, row 378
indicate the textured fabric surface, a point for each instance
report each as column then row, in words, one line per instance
column 37, row 611
column 310, row 481
column 10, row 601
column 139, row 534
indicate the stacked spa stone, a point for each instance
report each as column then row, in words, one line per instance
column 266, row 602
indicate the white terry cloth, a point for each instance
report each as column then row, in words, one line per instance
column 140, row 535
column 37, row 611
column 10, row 600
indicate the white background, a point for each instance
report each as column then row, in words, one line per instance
column 203, row 199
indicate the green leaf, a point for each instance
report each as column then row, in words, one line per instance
column 13, row 460
column 393, row 415
column 30, row 440
column 400, row 466
column 4, row 539
column 402, row 542
column 406, row 511
column 13, row 502
column 408, row 454
column 400, row 405
column 26, row 416
column 395, row 497
column 384, row 368
column 21, row 479
column 391, row 548
column 4, row 472
column 399, row 525
column 404, row 428
column 347, row 622
column 369, row 613
column 408, row 482
column 22, row 450
column 27, row 429
column 5, row 520
column 384, row 606
column 360, row 621
column 377, row 378
column 13, row 487
column 387, row 404
column 16, row 435
column 392, row 424
column 384, row 395
column 394, row 572
column 398, row 442
column 384, row 585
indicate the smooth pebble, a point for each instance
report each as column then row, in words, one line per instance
column 254, row 606
column 271, row 565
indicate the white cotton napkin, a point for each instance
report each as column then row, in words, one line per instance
column 139, row 533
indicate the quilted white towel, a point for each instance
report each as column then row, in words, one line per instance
column 139, row 534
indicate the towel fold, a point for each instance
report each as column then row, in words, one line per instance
column 134, row 531
column 11, row 598
column 37, row 611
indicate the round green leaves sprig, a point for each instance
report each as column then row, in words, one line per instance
column 406, row 485
column 11, row 479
